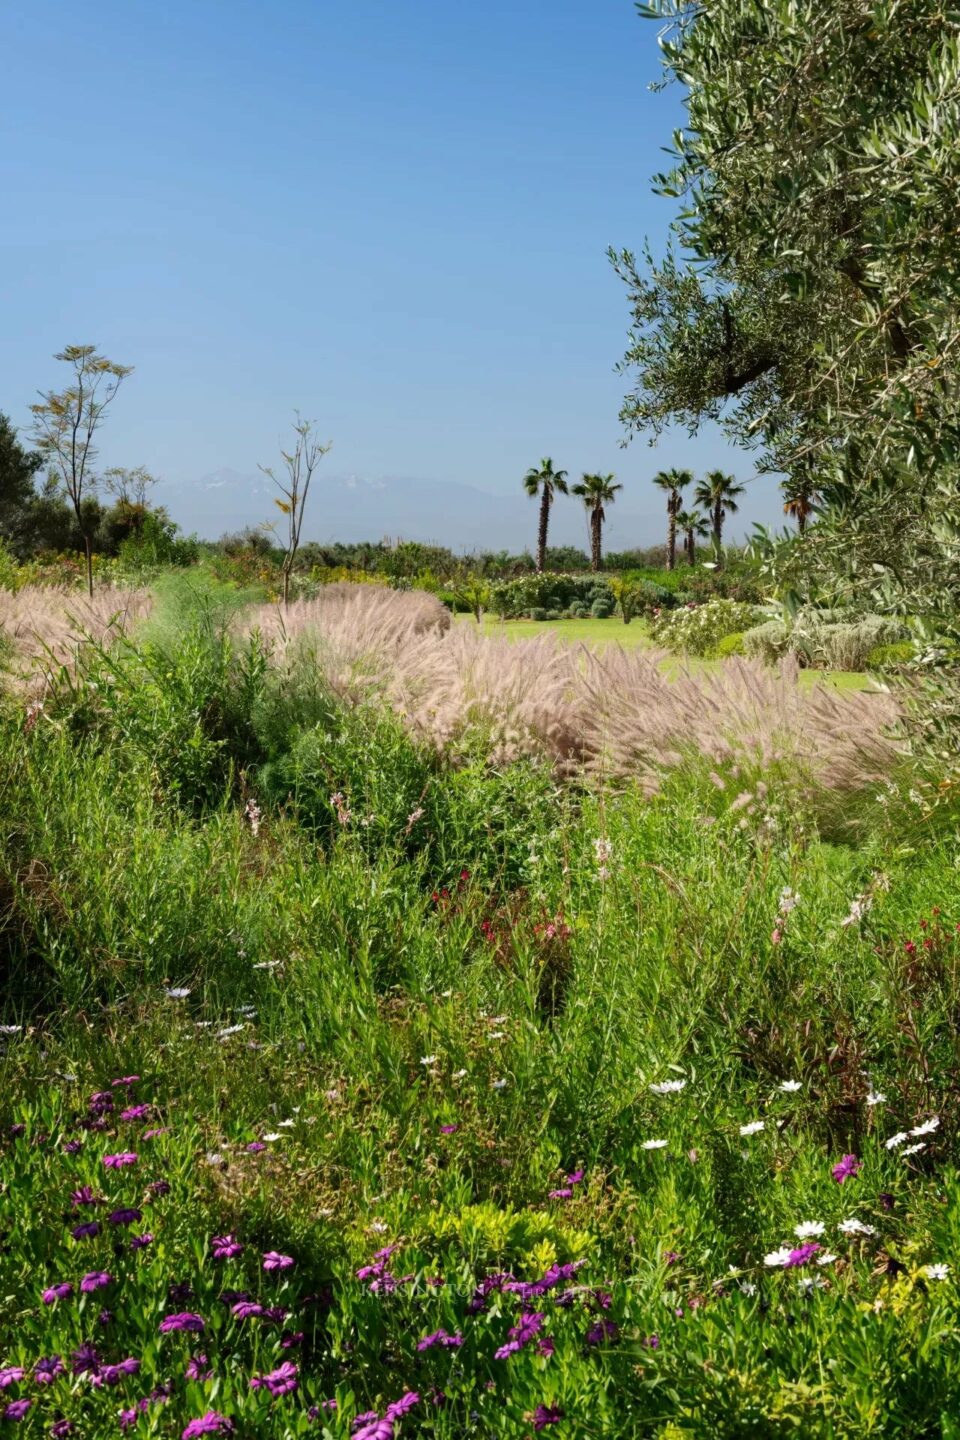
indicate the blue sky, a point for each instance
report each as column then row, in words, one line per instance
column 391, row 215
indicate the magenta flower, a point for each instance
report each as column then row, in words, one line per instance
column 83, row 1196
column 448, row 1129
column 531, row 1323
column 152, row 1134
column 246, row 1309
column 126, row 1216
column 802, row 1255
column 140, row 1242
column 120, row 1160
column 210, row 1424
column 198, row 1368
column 135, row 1112
column 185, row 1320
column 46, row 1370
column 10, row 1375
column 602, row 1330
column 440, row 1337
column 95, row 1280
column 565, row 1194
column 86, row 1231
column 225, row 1247
column 17, row 1409
column 113, row 1374
column 545, row 1415
column 159, row 1187
column 60, row 1429
column 575, row 1177
column 281, row 1381
column 255, row 1147
column 848, row 1166
column 57, row 1292
column 126, row 1080
column 275, row 1261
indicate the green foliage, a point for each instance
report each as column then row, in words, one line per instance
column 891, row 655
column 815, row 311
column 514, row 598
column 729, row 645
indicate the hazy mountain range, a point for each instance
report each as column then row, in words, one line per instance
column 463, row 517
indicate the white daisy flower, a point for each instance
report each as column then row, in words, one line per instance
column 808, row 1283
column 229, row 1030
column 913, row 1149
column 499, row 1084
column 497, row 1035
column 928, row 1127
column 286, row 1124
column 653, row 1144
column 936, row 1272
column 808, row 1229
column 459, row 1074
column 10, row 1029
column 778, row 1258
column 790, row 1087
column 274, row 1135
column 428, row 1059
column 378, row 1227
column 826, row 1259
column 896, row 1140
column 753, row 1128
column 177, row 992
column 853, row 1226
column 875, row 1098
column 668, row 1087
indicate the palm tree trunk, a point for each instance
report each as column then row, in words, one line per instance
column 691, row 548
column 671, row 533
column 542, row 536
column 596, row 523
column 88, row 547
column 801, row 519
column 718, row 527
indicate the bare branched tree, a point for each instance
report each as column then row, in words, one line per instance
column 64, row 425
column 128, row 486
column 294, row 485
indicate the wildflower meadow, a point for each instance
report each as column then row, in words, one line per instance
column 396, row 1043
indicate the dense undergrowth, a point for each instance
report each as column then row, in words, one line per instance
column 554, row 1105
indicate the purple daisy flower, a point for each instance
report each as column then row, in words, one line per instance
column 121, row 1159
column 159, row 1187
column 60, row 1429
column 9, row 1375
column 440, row 1337
column 17, row 1409
column 140, row 1242
column 530, row 1325
column 135, row 1112
column 84, row 1360
column 185, row 1320
column 71, row 1147
column 273, row 1260
column 281, row 1381
column 802, row 1255
column 545, row 1415
column 449, row 1129
column 46, row 1370
column 246, row 1309
column 225, row 1247
column 198, row 1368
column 126, row 1216
column 86, row 1231
column 213, row 1423
column 255, row 1147
column 95, row 1280
column 83, row 1196
column 845, row 1168
column 125, row 1080
column 57, row 1292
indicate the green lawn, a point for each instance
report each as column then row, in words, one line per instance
column 600, row 633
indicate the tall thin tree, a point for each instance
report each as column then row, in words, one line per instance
column 65, row 423
column 691, row 523
column 674, row 482
column 596, row 492
column 718, row 493
column 547, row 483
column 299, row 464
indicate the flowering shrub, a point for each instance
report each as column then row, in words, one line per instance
column 698, row 629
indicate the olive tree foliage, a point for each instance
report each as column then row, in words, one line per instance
column 299, row 463
column 65, row 423
column 811, row 298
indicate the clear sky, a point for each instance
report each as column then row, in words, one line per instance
column 389, row 213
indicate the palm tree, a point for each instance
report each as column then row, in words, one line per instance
column 800, row 498
column 718, row 492
column 545, row 482
column 596, row 491
column 691, row 523
column 673, row 482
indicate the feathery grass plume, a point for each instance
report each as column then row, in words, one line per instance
column 49, row 625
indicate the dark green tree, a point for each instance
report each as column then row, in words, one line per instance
column 17, row 493
column 596, row 492
column 547, row 483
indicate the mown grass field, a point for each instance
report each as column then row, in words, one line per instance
column 601, row 633
column 358, row 1082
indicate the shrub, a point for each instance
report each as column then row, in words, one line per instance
column 513, row 598
column 886, row 657
column 730, row 645
column 697, row 630
column 602, row 608
column 537, row 613
column 768, row 642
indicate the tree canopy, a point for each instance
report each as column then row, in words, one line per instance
column 810, row 299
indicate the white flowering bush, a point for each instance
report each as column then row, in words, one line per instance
column 698, row 629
